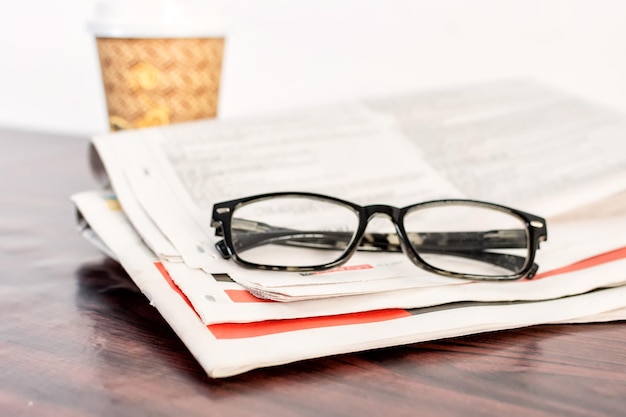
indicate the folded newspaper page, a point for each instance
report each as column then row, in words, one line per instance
column 514, row 143
column 226, row 349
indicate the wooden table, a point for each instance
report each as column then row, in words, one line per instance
column 76, row 339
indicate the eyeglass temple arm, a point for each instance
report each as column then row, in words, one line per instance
column 463, row 244
column 447, row 241
column 469, row 245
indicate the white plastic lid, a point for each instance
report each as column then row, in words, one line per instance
column 157, row 19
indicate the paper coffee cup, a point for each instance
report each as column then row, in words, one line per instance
column 160, row 60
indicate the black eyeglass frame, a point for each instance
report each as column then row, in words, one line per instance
column 535, row 231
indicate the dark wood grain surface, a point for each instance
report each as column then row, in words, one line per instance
column 76, row 339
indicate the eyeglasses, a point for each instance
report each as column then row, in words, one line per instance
column 302, row 232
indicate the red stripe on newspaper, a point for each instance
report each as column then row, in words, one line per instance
column 243, row 330
column 263, row 328
column 243, row 296
column 173, row 285
column 602, row 258
column 341, row 269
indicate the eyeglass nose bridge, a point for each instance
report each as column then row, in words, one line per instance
column 395, row 215
column 392, row 212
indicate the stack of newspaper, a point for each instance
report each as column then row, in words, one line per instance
column 515, row 143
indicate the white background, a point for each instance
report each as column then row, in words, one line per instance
column 285, row 53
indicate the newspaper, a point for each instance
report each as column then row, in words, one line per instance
column 225, row 349
column 514, row 143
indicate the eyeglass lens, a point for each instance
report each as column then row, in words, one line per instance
column 468, row 239
column 293, row 231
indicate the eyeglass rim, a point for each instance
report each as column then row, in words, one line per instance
column 535, row 228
